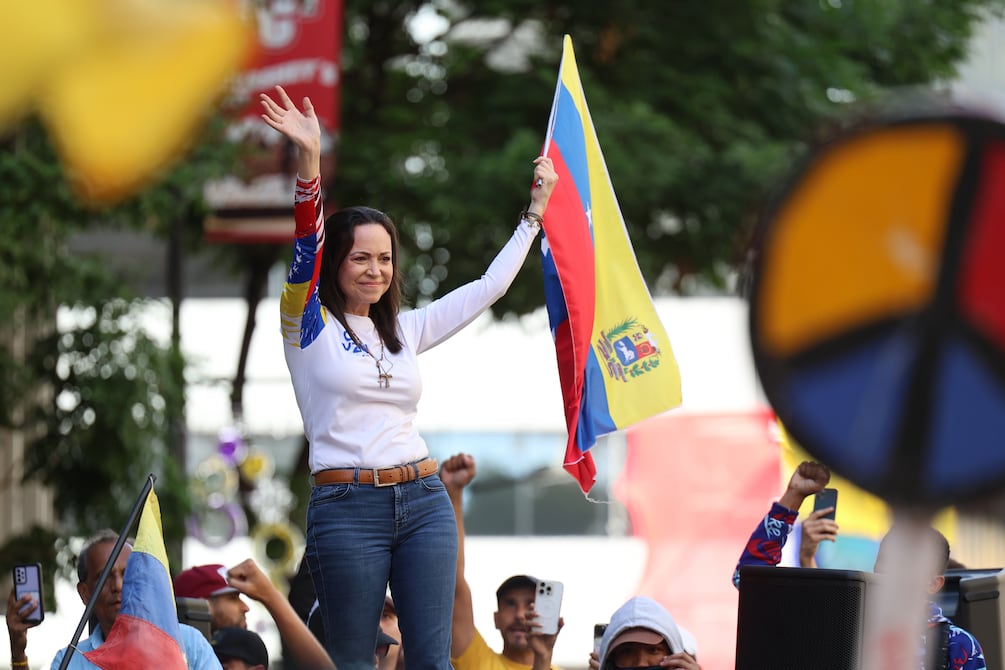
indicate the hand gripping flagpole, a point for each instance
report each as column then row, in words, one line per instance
column 112, row 558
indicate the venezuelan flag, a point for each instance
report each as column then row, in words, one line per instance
column 146, row 632
column 615, row 363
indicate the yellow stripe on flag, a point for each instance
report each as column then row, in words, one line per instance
column 150, row 534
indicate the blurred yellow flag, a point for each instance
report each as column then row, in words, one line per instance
column 122, row 85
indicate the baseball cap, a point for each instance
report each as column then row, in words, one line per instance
column 233, row 642
column 383, row 638
column 202, row 581
column 640, row 635
column 515, row 582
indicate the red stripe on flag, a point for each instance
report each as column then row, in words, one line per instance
column 571, row 389
column 569, row 238
column 137, row 643
column 580, row 466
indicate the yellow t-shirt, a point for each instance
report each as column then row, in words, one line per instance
column 479, row 656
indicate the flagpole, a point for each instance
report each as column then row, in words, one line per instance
column 112, row 558
column 554, row 104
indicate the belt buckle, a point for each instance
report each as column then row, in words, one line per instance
column 376, row 478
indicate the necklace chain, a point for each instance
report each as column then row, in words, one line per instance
column 383, row 373
column 383, row 365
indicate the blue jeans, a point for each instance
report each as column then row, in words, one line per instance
column 360, row 538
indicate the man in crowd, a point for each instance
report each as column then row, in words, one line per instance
column 90, row 564
column 209, row 582
column 223, row 589
column 240, row 649
column 643, row 634
column 394, row 659
column 523, row 648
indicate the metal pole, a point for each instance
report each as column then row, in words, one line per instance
column 114, row 556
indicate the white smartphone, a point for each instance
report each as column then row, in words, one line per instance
column 548, row 605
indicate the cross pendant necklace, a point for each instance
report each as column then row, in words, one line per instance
column 383, row 374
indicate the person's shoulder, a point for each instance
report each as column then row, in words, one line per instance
column 477, row 656
column 191, row 634
column 78, row 660
column 962, row 638
column 198, row 651
column 187, row 630
column 193, row 640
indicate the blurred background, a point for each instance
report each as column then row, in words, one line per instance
column 139, row 332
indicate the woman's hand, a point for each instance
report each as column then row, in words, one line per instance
column 302, row 128
column 544, row 182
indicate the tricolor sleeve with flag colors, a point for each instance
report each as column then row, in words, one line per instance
column 146, row 633
column 615, row 363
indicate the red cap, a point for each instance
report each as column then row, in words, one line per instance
column 202, row 581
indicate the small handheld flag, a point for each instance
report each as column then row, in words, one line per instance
column 146, row 633
column 615, row 363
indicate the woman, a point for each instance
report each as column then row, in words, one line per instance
column 378, row 513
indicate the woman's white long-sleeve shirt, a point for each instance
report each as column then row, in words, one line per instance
column 350, row 420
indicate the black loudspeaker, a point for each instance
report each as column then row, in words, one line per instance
column 972, row 599
column 800, row 618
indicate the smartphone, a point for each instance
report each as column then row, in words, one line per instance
column 598, row 635
column 548, row 605
column 28, row 579
column 824, row 499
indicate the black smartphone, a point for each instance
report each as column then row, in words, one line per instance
column 824, row 499
column 28, row 579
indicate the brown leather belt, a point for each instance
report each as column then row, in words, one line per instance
column 395, row 474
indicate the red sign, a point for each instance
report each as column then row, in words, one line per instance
column 300, row 43
column 299, row 48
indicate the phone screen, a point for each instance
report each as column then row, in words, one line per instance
column 28, row 579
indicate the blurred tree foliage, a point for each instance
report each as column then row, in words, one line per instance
column 94, row 394
column 700, row 106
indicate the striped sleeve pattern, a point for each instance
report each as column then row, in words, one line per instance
column 300, row 308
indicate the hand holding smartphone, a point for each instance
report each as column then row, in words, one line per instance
column 548, row 605
column 28, row 579
column 826, row 498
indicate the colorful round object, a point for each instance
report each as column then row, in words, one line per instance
column 214, row 481
column 218, row 526
column 877, row 311
column 230, row 445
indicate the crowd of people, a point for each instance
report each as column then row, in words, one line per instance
column 384, row 566
column 642, row 633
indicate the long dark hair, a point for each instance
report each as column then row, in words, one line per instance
column 340, row 235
